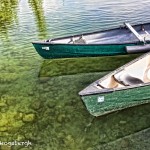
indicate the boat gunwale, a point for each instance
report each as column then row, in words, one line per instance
column 44, row 43
column 109, row 90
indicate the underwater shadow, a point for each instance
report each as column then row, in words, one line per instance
column 70, row 66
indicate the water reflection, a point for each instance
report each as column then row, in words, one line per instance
column 8, row 14
column 37, row 7
column 59, row 67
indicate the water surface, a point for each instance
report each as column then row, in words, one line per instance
column 48, row 111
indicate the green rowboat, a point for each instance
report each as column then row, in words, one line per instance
column 123, row 40
column 125, row 87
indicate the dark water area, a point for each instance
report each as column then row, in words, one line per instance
column 47, row 111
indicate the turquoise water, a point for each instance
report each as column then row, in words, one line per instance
column 48, row 112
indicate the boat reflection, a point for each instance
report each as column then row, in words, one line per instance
column 59, row 67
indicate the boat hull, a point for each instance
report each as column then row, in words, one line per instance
column 100, row 104
column 49, row 51
column 100, row 43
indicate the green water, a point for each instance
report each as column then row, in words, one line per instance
column 47, row 111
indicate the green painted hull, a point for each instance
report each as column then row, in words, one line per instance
column 49, row 51
column 100, row 43
column 116, row 100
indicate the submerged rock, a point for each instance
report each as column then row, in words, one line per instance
column 124, row 143
column 4, row 121
column 51, row 104
column 30, row 93
column 2, row 104
column 68, row 140
column 29, row 118
column 29, row 135
column 20, row 138
column 3, row 129
column 5, row 147
column 11, row 101
column 4, row 109
column 61, row 118
column 44, row 79
column 36, row 105
column 24, row 148
column 18, row 116
column 16, row 126
column 123, row 122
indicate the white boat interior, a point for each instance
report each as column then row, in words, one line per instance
column 126, row 34
column 136, row 73
column 132, row 74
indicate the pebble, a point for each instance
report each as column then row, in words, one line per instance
column 36, row 105
column 2, row 104
column 122, row 122
column 124, row 143
column 44, row 79
column 29, row 118
column 5, row 147
column 61, row 118
column 3, row 129
column 51, row 104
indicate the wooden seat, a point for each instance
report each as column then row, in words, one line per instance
column 111, row 83
column 80, row 40
column 71, row 40
column 147, row 75
column 126, row 79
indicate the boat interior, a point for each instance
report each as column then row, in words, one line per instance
column 135, row 73
column 124, row 34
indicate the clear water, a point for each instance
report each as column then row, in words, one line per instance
column 49, row 112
